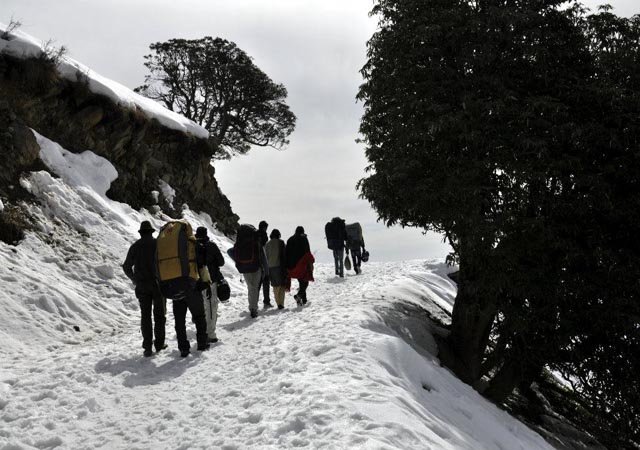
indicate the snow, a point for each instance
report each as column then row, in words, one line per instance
column 168, row 193
column 348, row 370
column 1, row 206
column 22, row 45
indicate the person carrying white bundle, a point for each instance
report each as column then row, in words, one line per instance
column 209, row 259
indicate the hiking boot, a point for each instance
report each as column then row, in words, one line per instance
column 213, row 340
column 267, row 304
column 304, row 301
column 254, row 313
column 162, row 347
column 184, row 353
column 147, row 353
column 298, row 299
column 202, row 348
column 280, row 306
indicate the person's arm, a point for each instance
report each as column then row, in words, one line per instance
column 128, row 264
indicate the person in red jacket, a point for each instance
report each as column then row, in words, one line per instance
column 299, row 263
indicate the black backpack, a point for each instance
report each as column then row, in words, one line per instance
column 246, row 250
column 333, row 235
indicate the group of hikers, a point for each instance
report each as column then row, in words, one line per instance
column 341, row 237
column 186, row 269
column 269, row 262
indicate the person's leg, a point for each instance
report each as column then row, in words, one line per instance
column 179, row 314
column 260, row 287
column 253, row 287
column 211, row 313
column 357, row 259
column 208, row 303
column 302, row 291
column 266, row 285
column 336, row 261
column 159, row 319
column 278, row 293
column 196, row 308
column 146, row 325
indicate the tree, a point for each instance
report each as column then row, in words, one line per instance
column 517, row 134
column 217, row 85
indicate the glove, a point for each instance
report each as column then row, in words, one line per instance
column 209, row 293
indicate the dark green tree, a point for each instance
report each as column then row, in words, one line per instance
column 217, row 85
column 512, row 129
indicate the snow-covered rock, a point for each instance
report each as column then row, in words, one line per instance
column 22, row 45
column 86, row 111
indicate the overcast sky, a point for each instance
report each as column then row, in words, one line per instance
column 314, row 47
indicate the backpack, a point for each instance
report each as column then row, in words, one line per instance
column 176, row 260
column 332, row 233
column 354, row 233
column 246, row 250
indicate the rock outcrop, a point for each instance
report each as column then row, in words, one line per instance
column 34, row 95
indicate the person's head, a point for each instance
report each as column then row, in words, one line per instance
column 263, row 225
column 145, row 228
column 275, row 234
column 201, row 234
column 299, row 230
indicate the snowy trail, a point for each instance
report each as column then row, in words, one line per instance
column 316, row 376
column 354, row 368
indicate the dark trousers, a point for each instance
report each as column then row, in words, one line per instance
column 195, row 305
column 338, row 260
column 302, row 290
column 151, row 300
column 356, row 254
column 266, row 287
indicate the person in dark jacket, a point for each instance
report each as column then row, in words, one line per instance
column 276, row 260
column 337, row 244
column 299, row 263
column 248, row 255
column 264, row 282
column 355, row 245
column 208, row 256
column 140, row 267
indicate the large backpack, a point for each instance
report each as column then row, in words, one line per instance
column 332, row 233
column 246, row 250
column 176, row 258
column 354, row 233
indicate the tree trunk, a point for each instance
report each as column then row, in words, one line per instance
column 472, row 319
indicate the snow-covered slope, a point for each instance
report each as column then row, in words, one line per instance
column 337, row 373
column 22, row 45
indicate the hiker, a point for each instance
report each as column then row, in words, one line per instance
column 299, row 263
column 208, row 257
column 276, row 260
column 336, row 235
column 248, row 255
column 140, row 267
column 264, row 282
column 179, row 278
column 355, row 244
